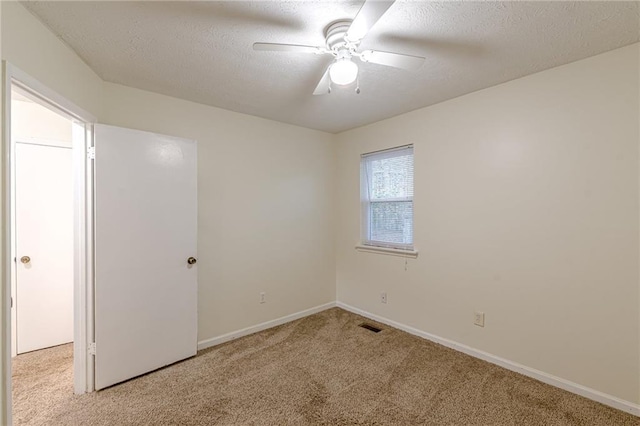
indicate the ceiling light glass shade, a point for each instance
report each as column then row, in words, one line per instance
column 344, row 71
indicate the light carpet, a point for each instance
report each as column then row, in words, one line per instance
column 319, row 370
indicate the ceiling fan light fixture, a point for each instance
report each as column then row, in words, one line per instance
column 344, row 71
column 342, row 39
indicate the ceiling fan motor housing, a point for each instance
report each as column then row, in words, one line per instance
column 335, row 36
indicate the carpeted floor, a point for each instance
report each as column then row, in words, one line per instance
column 320, row 370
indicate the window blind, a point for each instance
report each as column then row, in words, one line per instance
column 387, row 198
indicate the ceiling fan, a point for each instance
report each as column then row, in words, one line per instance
column 342, row 41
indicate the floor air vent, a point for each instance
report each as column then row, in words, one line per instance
column 370, row 327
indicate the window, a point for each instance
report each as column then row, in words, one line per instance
column 386, row 184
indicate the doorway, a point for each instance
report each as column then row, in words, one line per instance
column 48, row 239
column 134, row 257
column 42, row 289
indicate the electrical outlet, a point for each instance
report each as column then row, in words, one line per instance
column 383, row 297
column 478, row 318
column 263, row 297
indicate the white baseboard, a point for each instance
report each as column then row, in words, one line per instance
column 549, row 379
column 263, row 326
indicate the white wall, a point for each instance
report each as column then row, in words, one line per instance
column 526, row 208
column 265, row 207
column 30, row 46
column 5, row 354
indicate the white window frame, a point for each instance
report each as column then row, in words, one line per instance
column 367, row 244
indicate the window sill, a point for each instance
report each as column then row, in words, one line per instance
column 388, row 251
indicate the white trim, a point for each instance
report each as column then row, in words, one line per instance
column 42, row 92
column 7, row 152
column 44, row 142
column 549, row 379
column 387, row 150
column 12, row 254
column 83, row 259
column 88, row 298
column 79, row 256
column 204, row 344
column 387, row 250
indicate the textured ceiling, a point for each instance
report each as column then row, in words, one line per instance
column 202, row 51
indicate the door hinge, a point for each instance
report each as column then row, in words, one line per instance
column 92, row 348
column 91, row 153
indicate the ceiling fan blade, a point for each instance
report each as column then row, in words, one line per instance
column 277, row 47
column 396, row 60
column 369, row 14
column 324, row 85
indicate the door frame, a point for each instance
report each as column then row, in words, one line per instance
column 83, row 366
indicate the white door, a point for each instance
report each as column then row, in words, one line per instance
column 145, row 232
column 44, row 246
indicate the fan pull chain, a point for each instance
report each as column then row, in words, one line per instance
column 358, row 85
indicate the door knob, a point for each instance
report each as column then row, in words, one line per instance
column 25, row 259
column 192, row 260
